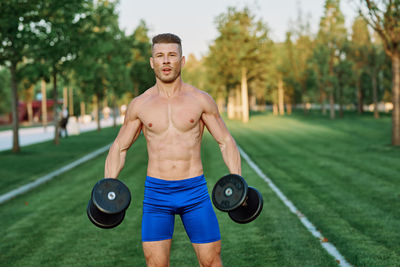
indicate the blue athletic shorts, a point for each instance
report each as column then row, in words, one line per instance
column 189, row 198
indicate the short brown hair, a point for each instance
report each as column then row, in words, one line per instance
column 167, row 38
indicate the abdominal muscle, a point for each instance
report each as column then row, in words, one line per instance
column 174, row 155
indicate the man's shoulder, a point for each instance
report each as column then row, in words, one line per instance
column 137, row 102
column 197, row 92
column 143, row 96
column 202, row 97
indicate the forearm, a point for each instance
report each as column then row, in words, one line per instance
column 115, row 161
column 231, row 155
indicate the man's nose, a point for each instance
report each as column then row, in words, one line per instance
column 166, row 59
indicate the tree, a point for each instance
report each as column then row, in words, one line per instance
column 332, row 34
column 359, row 53
column 244, row 46
column 141, row 73
column 384, row 18
column 59, row 41
column 320, row 66
column 95, row 66
column 301, row 81
column 118, row 78
column 4, row 90
column 376, row 60
column 16, row 20
column 345, row 79
column 194, row 72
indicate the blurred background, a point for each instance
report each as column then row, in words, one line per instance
column 91, row 57
column 309, row 89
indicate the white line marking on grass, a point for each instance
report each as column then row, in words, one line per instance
column 329, row 247
column 41, row 180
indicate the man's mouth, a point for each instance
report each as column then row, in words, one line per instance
column 166, row 70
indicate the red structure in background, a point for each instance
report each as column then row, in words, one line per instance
column 36, row 112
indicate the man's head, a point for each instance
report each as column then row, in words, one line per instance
column 167, row 59
column 167, row 38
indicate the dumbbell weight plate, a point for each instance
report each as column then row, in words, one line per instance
column 111, row 196
column 250, row 210
column 101, row 219
column 229, row 192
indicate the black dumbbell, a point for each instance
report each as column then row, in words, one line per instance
column 108, row 203
column 242, row 202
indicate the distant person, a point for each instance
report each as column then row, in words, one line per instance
column 172, row 116
column 63, row 123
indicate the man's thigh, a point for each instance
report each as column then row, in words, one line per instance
column 208, row 254
column 201, row 223
column 157, row 252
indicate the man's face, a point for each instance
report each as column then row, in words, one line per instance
column 167, row 62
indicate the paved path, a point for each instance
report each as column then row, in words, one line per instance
column 28, row 136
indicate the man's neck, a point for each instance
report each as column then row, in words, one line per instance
column 169, row 89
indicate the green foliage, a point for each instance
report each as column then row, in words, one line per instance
column 332, row 35
column 194, row 73
column 243, row 42
column 141, row 74
column 4, row 91
column 16, row 18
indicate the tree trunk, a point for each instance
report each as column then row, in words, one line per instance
column 136, row 89
column 360, row 98
column 29, row 110
column 55, row 108
column 44, row 104
column 375, row 94
column 275, row 109
column 289, row 107
column 332, row 89
column 220, row 103
column 245, row 97
column 71, row 102
column 65, row 97
column 96, row 107
column 14, row 104
column 332, row 104
column 115, row 109
column 83, row 111
column 305, row 110
column 281, row 97
column 323, row 98
column 231, row 104
column 238, row 113
column 396, row 98
column 340, row 102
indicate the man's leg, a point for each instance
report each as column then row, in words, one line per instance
column 208, row 254
column 157, row 253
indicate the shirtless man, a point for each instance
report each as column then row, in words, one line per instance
column 172, row 116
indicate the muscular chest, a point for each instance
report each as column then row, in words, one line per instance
column 181, row 114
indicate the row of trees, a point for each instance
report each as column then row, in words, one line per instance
column 76, row 42
column 334, row 67
column 79, row 44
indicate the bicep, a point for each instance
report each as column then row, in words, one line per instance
column 128, row 134
column 213, row 121
column 130, row 129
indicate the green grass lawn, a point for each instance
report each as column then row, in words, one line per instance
column 341, row 174
column 40, row 159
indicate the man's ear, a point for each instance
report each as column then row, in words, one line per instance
column 151, row 63
column 183, row 61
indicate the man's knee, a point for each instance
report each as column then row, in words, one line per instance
column 157, row 253
column 209, row 255
column 211, row 260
